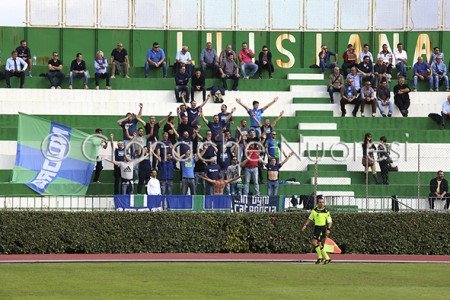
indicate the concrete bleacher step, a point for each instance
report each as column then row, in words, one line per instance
column 319, row 139
column 311, row 100
column 332, row 180
column 303, row 76
column 317, row 126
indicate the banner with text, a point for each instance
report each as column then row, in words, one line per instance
column 255, row 203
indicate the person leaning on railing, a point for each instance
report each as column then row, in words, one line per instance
column 439, row 190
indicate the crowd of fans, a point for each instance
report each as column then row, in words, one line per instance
column 216, row 163
column 367, row 82
column 226, row 65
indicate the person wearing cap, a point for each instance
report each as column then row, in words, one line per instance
column 256, row 113
column 118, row 60
column 322, row 227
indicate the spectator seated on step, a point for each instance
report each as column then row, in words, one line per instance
column 25, row 53
column 422, row 71
column 445, row 112
column 387, row 58
column 355, row 77
column 436, row 52
column 119, row 61
column 401, row 96
column 198, row 84
column 55, row 67
column 15, row 66
column 181, row 84
column 209, row 60
column 368, row 97
column 439, row 190
column 229, row 70
column 401, row 60
column 349, row 58
column 265, row 62
column 183, row 58
column 439, row 70
column 384, row 99
column 365, row 69
column 101, row 67
column 349, row 95
column 335, row 83
column 224, row 54
column 325, row 59
column 156, row 58
column 380, row 71
column 246, row 56
column 78, row 70
column 366, row 52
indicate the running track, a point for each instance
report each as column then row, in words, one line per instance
column 219, row 257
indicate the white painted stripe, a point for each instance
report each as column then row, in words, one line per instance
column 305, row 76
column 317, row 126
column 336, row 193
column 332, row 180
column 320, row 139
column 313, row 107
column 312, row 89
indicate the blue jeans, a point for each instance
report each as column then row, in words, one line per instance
column 253, row 172
column 58, row 74
column 438, row 81
column 199, row 181
column 227, row 187
column 272, row 187
column 390, row 105
column 166, row 186
column 148, row 66
column 401, row 68
column 179, row 89
column 234, row 189
column 429, row 78
column 188, row 183
column 331, row 90
column 84, row 75
column 127, row 187
column 326, row 65
column 253, row 69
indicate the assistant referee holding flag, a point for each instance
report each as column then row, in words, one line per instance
column 322, row 226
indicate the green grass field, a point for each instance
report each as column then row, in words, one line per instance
column 224, row 280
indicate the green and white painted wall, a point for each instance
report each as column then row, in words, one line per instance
column 290, row 49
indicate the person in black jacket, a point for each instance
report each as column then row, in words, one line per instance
column 265, row 62
column 439, row 190
column 198, row 84
column 181, row 82
column 384, row 159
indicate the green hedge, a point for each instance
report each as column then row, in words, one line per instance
column 131, row 232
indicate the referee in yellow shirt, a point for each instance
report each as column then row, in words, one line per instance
column 322, row 226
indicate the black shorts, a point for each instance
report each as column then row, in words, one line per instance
column 319, row 233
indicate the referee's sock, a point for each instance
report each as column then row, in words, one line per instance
column 325, row 254
column 319, row 252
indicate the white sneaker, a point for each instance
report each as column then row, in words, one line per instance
column 362, row 115
column 52, row 87
column 86, row 87
column 112, row 77
column 108, row 87
column 97, row 87
column 70, row 87
column 58, row 87
column 126, row 76
column 373, row 115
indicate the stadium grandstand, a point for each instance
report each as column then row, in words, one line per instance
column 318, row 139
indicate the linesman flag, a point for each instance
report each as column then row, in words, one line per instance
column 52, row 158
column 331, row 247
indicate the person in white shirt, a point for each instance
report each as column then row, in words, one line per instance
column 127, row 170
column 15, row 66
column 153, row 186
column 183, row 58
column 445, row 112
column 401, row 60
column 364, row 53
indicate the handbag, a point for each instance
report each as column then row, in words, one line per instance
column 367, row 160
